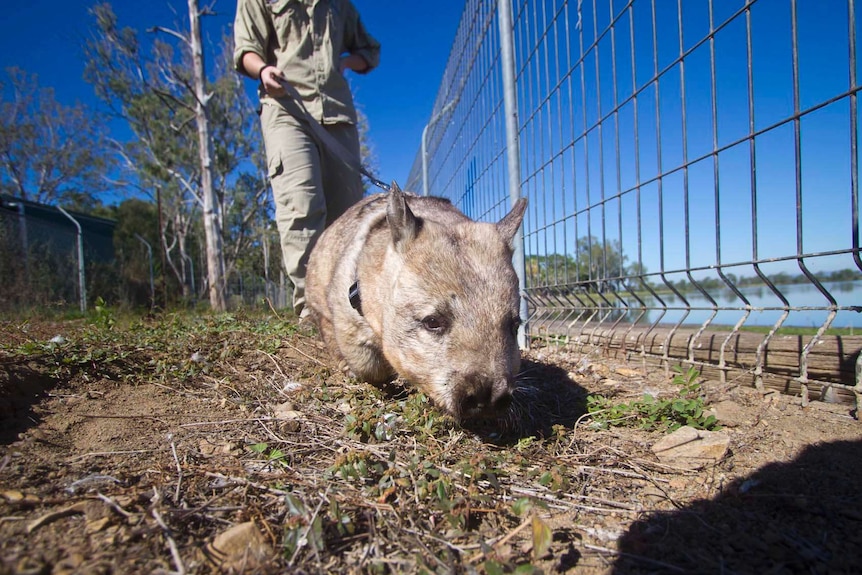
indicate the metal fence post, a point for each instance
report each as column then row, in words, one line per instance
column 513, row 151
column 22, row 230
column 150, row 259
column 82, row 284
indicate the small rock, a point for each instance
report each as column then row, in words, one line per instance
column 290, row 426
column 628, row 372
column 285, row 411
column 97, row 525
column 12, row 495
column 691, row 448
column 291, row 386
column 730, row 413
column 600, row 370
column 240, row 548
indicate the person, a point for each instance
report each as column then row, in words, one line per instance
column 309, row 44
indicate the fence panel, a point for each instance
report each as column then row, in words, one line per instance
column 39, row 267
column 39, row 257
column 692, row 176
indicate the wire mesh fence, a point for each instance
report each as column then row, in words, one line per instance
column 52, row 259
column 46, row 258
column 691, row 170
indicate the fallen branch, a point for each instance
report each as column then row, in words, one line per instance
column 175, row 552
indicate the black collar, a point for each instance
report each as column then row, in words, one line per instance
column 353, row 296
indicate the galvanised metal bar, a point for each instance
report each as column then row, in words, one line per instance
column 661, row 228
column 800, row 250
column 648, row 151
column 722, row 356
column 82, row 282
column 686, row 196
column 758, row 368
column 507, row 53
column 854, row 172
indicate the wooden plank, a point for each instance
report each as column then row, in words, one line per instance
column 832, row 359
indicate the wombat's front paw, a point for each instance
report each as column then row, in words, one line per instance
column 343, row 366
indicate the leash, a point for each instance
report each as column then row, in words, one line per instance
column 325, row 138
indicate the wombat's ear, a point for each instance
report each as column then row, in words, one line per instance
column 510, row 223
column 402, row 222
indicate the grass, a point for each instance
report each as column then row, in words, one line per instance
column 791, row 330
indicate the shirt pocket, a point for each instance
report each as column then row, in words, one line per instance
column 289, row 20
column 274, row 165
column 279, row 6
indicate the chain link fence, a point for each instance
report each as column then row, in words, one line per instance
column 692, row 175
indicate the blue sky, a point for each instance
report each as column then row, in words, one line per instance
column 44, row 37
column 824, row 65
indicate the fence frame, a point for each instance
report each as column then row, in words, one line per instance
column 460, row 158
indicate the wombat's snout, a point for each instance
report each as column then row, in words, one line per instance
column 483, row 397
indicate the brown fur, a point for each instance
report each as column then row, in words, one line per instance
column 439, row 299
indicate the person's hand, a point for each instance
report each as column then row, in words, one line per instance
column 271, row 79
column 353, row 62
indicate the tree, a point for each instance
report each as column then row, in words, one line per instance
column 239, row 162
column 137, row 220
column 212, row 224
column 49, row 152
column 191, row 137
column 596, row 267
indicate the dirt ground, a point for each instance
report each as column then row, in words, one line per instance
column 187, row 446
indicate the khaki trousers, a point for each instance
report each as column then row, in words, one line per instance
column 310, row 186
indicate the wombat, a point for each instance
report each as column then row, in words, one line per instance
column 408, row 285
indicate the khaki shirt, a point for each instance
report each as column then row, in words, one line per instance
column 305, row 39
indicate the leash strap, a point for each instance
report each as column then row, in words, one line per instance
column 293, row 104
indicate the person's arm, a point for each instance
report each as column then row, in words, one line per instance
column 363, row 50
column 269, row 75
column 354, row 62
column 251, row 34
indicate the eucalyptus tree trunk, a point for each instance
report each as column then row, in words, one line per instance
column 212, row 226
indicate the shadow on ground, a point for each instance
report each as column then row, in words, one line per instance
column 21, row 387
column 798, row 517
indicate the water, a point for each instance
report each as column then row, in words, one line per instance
column 798, row 296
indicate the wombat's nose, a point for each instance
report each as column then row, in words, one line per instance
column 491, row 397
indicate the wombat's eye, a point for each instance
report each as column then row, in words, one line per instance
column 434, row 324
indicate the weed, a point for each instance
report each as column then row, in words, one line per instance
column 555, row 479
column 357, row 466
column 274, row 456
column 302, row 528
column 686, row 407
column 103, row 316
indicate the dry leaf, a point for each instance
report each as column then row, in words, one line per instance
column 542, row 535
